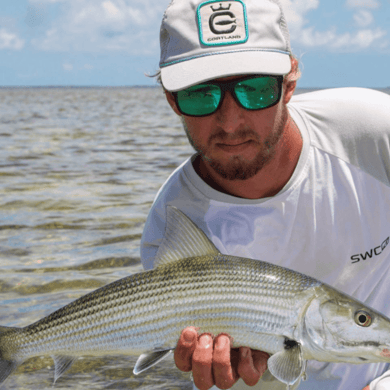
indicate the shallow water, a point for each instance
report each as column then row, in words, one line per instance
column 79, row 169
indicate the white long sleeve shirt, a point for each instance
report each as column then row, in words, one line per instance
column 331, row 220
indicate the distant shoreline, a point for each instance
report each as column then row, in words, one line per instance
column 16, row 87
column 75, row 86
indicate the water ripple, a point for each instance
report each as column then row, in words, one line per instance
column 79, row 170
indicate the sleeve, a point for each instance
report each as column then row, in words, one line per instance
column 352, row 124
column 381, row 383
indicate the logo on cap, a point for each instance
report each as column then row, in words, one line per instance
column 222, row 22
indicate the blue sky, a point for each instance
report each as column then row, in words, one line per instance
column 115, row 42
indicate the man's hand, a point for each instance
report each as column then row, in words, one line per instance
column 213, row 362
column 367, row 387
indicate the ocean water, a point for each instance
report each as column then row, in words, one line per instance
column 79, row 169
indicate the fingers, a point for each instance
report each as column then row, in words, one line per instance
column 252, row 365
column 213, row 362
column 202, row 362
column 209, row 359
column 225, row 375
column 260, row 359
column 185, row 348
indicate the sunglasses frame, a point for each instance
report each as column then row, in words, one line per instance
column 229, row 85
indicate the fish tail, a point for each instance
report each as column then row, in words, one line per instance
column 7, row 364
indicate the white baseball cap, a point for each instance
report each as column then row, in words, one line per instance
column 207, row 39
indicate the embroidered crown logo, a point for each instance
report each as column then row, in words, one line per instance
column 221, row 8
column 222, row 22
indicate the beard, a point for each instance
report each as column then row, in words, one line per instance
column 237, row 167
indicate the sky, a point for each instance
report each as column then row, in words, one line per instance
column 340, row 43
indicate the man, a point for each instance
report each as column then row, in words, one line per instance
column 302, row 182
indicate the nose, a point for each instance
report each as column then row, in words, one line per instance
column 230, row 115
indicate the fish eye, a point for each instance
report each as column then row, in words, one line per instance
column 362, row 318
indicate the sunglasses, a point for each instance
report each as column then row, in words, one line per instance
column 251, row 92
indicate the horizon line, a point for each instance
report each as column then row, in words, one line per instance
column 142, row 86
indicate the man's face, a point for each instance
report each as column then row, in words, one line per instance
column 237, row 143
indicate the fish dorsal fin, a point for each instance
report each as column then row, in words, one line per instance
column 62, row 364
column 6, row 329
column 287, row 365
column 147, row 360
column 182, row 239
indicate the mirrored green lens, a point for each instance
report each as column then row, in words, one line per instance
column 200, row 99
column 257, row 93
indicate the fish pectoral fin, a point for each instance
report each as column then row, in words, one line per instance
column 147, row 360
column 62, row 364
column 287, row 365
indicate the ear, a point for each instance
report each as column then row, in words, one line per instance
column 289, row 88
column 172, row 102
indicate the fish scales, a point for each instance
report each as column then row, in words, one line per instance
column 261, row 305
column 216, row 294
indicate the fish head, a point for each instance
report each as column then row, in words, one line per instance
column 340, row 328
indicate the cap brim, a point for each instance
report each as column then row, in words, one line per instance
column 187, row 73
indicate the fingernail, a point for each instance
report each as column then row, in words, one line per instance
column 244, row 352
column 222, row 342
column 189, row 337
column 205, row 341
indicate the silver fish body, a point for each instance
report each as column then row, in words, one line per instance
column 289, row 315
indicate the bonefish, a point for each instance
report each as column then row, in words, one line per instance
column 291, row 316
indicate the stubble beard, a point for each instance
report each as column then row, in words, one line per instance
column 239, row 168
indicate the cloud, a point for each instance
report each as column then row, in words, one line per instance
column 45, row 2
column 359, row 40
column 363, row 18
column 9, row 40
column 366, row 38
column 131, row 26
column 304, row 35
column 111, row 9
column 363, row 4
column 67, row 67
column 295, row 12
